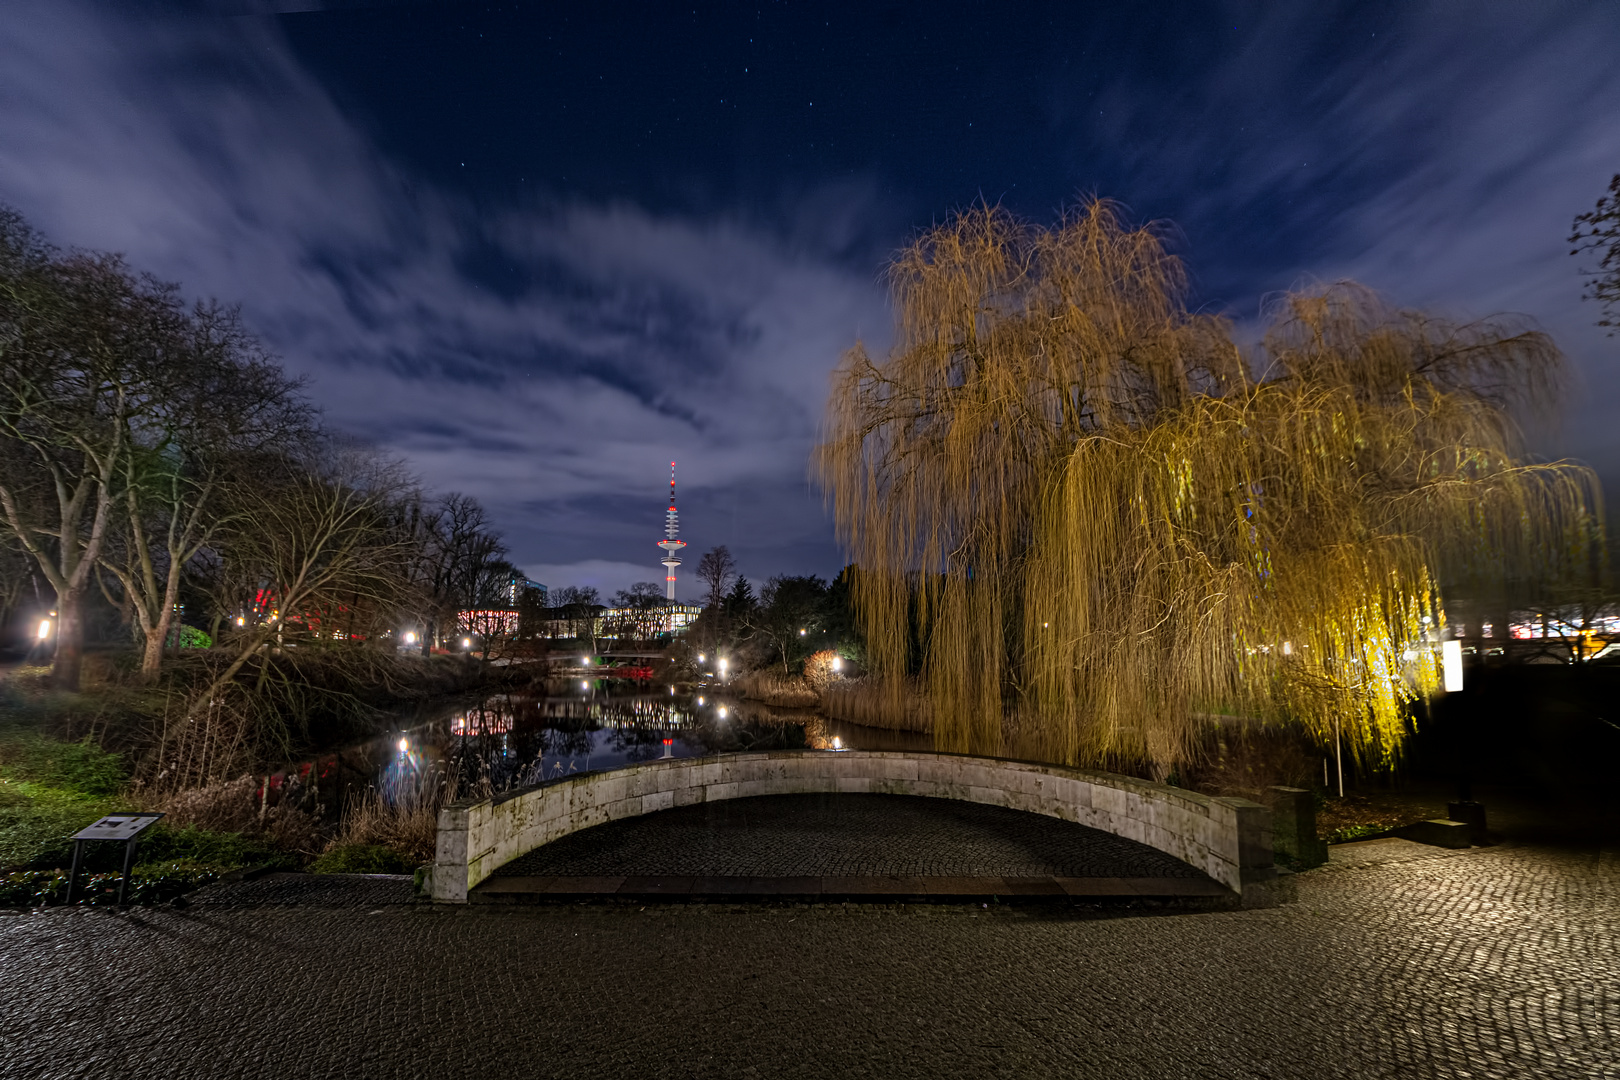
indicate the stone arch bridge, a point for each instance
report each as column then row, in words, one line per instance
column 1229, row 840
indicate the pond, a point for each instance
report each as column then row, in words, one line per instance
column 517, row 740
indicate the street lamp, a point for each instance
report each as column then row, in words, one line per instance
column 44, row 629
column 1451, row 664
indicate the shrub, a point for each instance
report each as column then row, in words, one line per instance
column 193, row 638
column 150, row 883
column 362, row 859
column 219, row 851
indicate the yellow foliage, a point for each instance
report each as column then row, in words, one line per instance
column 1097, row 509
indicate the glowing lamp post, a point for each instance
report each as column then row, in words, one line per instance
column 1451, row 664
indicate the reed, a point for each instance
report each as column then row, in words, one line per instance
column 782, row 691
column 871, row 703
column 405, row 819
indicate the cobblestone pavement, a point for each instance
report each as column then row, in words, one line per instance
column 318, row 890
column 853, row 835
column 1397, row 961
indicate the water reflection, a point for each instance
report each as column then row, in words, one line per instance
column 516, row 740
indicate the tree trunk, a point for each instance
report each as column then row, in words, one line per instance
column 67, row 668
column 157, row 637
column 152, row 653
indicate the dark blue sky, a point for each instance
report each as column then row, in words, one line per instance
column 541, row 254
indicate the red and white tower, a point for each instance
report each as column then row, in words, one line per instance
column 670, row 543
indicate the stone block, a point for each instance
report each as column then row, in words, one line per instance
column 1293, row 826
column 990, row 796
column 1109, row 800
column 1441, row 832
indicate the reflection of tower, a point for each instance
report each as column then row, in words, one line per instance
column 672, row 529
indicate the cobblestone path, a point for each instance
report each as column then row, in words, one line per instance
column 1397, row 961
column 789, row 835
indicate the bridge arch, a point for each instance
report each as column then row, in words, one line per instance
column 1227, row 839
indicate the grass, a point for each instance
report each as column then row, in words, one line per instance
column 362, row 859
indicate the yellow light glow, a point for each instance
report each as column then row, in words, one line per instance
column 44, row 629
column 1451, row 663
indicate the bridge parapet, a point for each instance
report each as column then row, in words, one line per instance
column 1227, row 839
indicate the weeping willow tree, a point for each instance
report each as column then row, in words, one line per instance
column 1078, row 504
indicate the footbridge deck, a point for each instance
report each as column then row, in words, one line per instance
column 1226, row 840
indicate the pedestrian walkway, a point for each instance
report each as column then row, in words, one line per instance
column 844, row 847
column 1398, row 961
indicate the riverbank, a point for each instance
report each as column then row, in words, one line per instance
column 68, row 759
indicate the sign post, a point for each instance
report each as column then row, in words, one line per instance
column 125, row 827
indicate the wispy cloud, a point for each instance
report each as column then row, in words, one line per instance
column 545, row 358
column 1434, row 151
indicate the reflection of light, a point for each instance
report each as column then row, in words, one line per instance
column 44, row 629
column 722, row 663
column 700, row 658
column 700, row 701
column 404, row 745
column 1288, row 648
column 585, row 661
column 481, row 722
column 583, row 685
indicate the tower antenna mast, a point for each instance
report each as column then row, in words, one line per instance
column 671, row 543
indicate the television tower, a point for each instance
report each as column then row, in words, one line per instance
column 670, row 543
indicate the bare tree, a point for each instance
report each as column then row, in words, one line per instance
column 580, row 606
column 316, row 562
column 81, row 339
column 1597, row 232
column 789, row 617
column 639, row 611
column 219, row 405
column 717, row 569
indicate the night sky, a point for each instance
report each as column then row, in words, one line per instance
column 540, row 251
